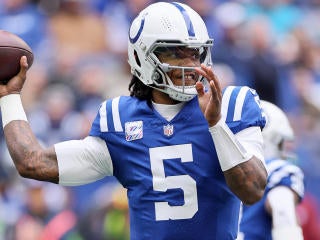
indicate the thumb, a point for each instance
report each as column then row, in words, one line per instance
column 200, row 89
column 23, row 68
column 202, row 96
column 15, row 84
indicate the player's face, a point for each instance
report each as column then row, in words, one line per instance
column 182, row 57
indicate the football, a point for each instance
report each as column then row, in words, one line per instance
column 12, row 48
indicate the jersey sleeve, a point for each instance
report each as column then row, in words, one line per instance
column 282, row 173
column 83, row 161
column 241, row 108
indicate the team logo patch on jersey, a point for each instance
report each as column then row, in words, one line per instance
column 134, row 130
column 168, row 130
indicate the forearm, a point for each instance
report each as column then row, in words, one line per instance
column 281, row 205
column 247, row 180
column 244, row 171
column 30, row 159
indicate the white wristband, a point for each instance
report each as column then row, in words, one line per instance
column 12, row 109
column 230, row 152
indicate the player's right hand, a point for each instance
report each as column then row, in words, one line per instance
column 210, row 102
column 15, row 84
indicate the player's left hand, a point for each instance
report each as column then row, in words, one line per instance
column 210, row 102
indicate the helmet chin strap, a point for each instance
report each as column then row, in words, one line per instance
column 177, row 95
column 181, row 97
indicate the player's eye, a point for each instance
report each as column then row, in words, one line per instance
column 177, row 53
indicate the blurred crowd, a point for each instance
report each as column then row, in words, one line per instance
column 80, row 51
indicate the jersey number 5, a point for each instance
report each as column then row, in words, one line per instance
column 163, row 210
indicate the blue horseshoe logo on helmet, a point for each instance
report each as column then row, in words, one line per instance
column 135, row 38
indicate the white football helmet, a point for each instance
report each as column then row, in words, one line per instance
column 165, row 25
column 276, row 131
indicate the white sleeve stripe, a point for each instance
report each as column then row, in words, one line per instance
column 274, row 165
column 296, row 178
column 103, row 117
column 239, row 103
column 116, row 115
column 225, row 102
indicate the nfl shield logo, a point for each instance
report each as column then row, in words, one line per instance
column 168, row 130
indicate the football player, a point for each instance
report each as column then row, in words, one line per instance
column 186, row 152
column 274, row 216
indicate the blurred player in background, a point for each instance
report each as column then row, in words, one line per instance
column 186, row 152
column 274, row 216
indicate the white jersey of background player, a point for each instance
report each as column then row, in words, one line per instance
column 274, row 216
column 186, row 154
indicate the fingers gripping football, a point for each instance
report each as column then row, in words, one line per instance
column 16, row 83
column 210, row 102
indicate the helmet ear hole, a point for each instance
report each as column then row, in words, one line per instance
column 157, row 77
column 136, row 58
column 281, row 144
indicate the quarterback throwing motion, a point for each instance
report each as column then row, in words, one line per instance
column 187, row 151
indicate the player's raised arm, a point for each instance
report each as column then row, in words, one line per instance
column 30, row 159
column 241, row 162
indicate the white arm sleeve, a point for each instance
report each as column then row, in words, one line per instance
column 83, row 161
column 233, row 149
column 251, row 139
column 284, row 220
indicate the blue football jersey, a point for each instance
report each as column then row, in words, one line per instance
column 176, row 189
column 256, row 223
